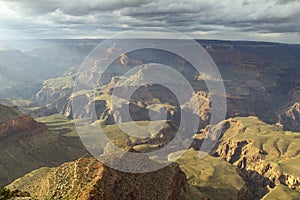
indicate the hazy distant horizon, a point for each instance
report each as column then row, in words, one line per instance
column 28, row 44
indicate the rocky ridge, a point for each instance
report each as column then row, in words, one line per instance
column 265, row 156
column 23, row 123
column 27, row 145
column 87, row 178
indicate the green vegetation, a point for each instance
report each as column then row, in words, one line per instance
column 23, row 105
column 16, row 102
column 60, row 82
column 282, row 147
column 50, row 148
column 7, row 112
column 59, row 124
column 32, row 177
column 65, row 127
column 116, row 135
column 210, row 176
column 66, row 131
column 6, row 194
column 213, row 177
column 281, row 192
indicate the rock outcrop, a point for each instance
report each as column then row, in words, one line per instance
column 87, row 179
column 27, row 145
column 23, row 123
column 265, row 155
column 290, row 120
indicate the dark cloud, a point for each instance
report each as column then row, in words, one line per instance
column 283, row 2
column 246, row 19
column 75, row 7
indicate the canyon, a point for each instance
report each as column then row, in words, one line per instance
column 256, row 157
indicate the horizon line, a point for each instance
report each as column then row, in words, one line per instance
column 197, row 39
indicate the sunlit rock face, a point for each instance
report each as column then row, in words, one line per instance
column 87, row 179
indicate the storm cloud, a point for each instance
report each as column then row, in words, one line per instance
column 269, row 20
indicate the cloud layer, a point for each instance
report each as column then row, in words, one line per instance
column 269, row 20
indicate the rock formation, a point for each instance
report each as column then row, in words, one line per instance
column 87, row 179
column 265, row 155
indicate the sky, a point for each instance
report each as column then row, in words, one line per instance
column 256, row 20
